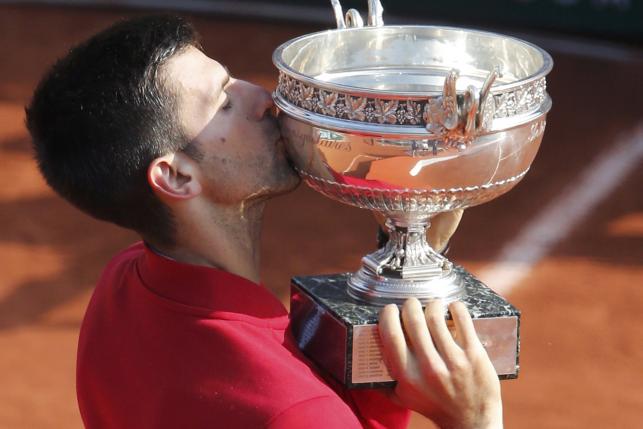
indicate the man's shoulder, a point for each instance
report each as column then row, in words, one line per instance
column 121, row 263
column 130, row 253
column 108, row 295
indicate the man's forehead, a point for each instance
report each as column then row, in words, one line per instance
column 192, row 70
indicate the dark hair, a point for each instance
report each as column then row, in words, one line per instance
column 103, row 113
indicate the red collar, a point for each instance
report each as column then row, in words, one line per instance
column 206, row 288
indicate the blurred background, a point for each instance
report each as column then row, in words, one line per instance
column 565, row 246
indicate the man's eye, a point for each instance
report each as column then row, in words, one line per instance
column 227, row 105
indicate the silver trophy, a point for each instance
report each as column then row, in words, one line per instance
column 409, row 121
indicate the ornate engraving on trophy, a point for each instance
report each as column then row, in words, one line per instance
column 410, row 112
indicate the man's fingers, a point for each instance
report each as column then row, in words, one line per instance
column 464, row 328
column 442, row 338
column 394, row 348
column 418, row 335
column 442, row 228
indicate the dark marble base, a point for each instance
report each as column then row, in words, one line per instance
column 340, row 334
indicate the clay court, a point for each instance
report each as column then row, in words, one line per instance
column 565, row 247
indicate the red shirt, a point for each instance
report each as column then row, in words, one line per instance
column 171, row 345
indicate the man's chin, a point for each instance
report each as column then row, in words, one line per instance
column 289, row 183
column 291, row 178
column 282, row 184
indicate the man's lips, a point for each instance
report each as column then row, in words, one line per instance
column 280, row 145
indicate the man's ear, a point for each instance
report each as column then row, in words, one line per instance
column 174, row 176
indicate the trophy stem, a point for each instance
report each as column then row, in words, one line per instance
column 407, row 266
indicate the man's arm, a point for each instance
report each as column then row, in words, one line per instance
column 450, row 381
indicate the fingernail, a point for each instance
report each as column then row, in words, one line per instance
column 390, row 307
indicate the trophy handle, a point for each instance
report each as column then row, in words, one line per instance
column 455, row 120
column 339, row 14
column 375, row 11
column 353, row 19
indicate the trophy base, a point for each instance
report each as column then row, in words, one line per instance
column 339, row 333
column 370, row 288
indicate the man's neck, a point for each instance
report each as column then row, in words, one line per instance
column 226, row 237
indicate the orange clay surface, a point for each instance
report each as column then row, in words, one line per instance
column 582, row 305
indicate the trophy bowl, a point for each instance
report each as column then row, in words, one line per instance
column 410, row 121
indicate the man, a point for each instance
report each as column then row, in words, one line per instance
column 139, row 127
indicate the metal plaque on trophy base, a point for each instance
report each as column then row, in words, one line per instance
column 339, row 333
column 407, row 121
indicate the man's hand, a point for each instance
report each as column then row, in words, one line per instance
column 452, row 382
column 443, row 225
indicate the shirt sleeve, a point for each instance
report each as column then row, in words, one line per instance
column 321, row 412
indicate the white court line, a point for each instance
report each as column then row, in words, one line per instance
column 560, row 216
